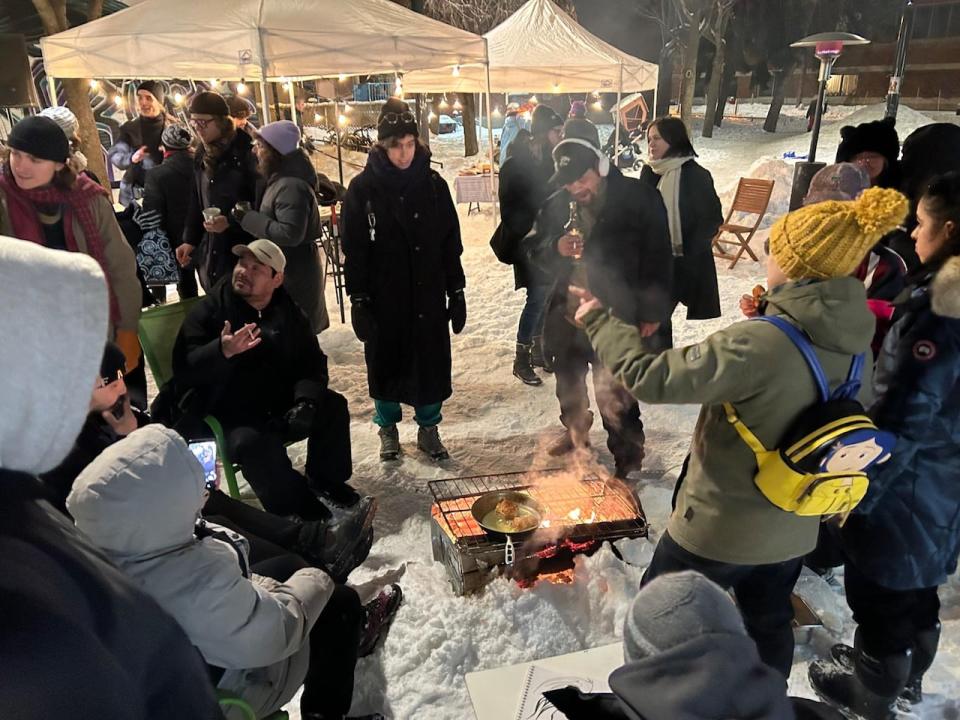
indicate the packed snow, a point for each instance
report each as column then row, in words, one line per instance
column 493, row 423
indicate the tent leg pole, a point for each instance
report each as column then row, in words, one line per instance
column 616, row 120
column 493, row 188
column 293, row 104
column 52, row 88
column 336, row 126
column 263, row 102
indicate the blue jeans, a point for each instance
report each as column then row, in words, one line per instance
column 531, row 319
column 389, row 413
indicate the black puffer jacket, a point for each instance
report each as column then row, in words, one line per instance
column 408, row 269
column 523, row 190
column 260, row 384
column 234, row 178
column 695, row 272
column 290, row 217
column 79, row 640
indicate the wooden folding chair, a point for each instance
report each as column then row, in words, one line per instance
column 752, row 197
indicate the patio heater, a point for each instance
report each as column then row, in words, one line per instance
column 827, row 48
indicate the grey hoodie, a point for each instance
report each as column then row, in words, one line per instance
column 138, row 502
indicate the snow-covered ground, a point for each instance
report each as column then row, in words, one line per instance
column 495, row 424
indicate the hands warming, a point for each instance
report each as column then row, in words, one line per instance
column 235, row 343
column 588, row 303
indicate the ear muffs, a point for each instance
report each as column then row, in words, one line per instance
column 603, row 162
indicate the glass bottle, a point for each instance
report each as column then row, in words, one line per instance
column 578, row 273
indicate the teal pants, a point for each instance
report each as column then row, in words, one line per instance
column 389, row 413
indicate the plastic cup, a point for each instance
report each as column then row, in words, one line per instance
column 211, row 213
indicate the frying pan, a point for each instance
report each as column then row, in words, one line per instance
column 487, row 502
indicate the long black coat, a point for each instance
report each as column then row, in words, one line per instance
column 524, row 188
column 260, row 384
column 233, row 179
column 695, row 274
column 167, row 193
column 407, row 270
column 627, row 255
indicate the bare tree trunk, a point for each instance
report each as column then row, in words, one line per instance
column 664, row 82
column 713, row 91
column 728, row 80
column 691, row 50
column 470, row 144
column 776, row 102
column 53, row 15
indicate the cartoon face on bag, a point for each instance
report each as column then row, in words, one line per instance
column 857, row 452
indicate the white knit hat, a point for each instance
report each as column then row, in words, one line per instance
column 64, row 117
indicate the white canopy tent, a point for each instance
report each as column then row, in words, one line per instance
column 257, row 40
column 542, row 49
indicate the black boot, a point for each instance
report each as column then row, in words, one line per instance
column 522, row 367
column 870, row 690
column 340, row 544
column 389, row 443
column 537, row 357
column 924, row 650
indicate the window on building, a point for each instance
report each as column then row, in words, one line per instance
column 842, row 85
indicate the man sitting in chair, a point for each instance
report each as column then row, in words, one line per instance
column 246, row 354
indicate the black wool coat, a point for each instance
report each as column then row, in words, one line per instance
column 407, row 269
column 233, row 179
column 167, row 192
column 695, row 273
column 256, row 386
column 524, row 188
column 627, row 255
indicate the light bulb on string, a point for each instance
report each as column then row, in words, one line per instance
column 118, row 100
column 556, row 87
column 598, row 105
column 443, row 103
column 316, row 117
column 342, row 120
column 533, row 100
column 241, row 88
column 214, row 83
column 341, row 77
column 178, row 98
column 496, row 111
column 457, row 105
column 456, row 71
column 94, row 84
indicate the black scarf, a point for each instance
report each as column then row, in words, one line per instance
column 392, row 178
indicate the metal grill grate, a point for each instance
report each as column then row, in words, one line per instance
column 585, row 509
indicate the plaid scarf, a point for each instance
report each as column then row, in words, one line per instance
column 77, row 202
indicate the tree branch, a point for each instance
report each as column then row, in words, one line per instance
column 49, row 16
column 94, row 10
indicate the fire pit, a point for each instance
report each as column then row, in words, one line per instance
column 580, row 513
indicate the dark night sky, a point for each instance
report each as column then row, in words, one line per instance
column 616, row 22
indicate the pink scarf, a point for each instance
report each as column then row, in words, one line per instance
column 25, row 220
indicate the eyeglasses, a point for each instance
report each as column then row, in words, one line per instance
column 392, row 118
column 200, row 123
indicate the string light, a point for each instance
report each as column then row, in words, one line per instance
column 94, row 84
column 316, row 117
column 556, row 87
column 178, row 98
column 496, row 111
column 241, row 88
column 342, row 120
column 432, row 116
column 398, row 89
column 456, row 71
column 444, row 103
column 457, row 105
column 214, row 83
column 347, row 108
column 118, row 100
column 533, row 100
column 598, row 105
column 341, row 77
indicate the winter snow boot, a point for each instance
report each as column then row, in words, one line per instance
column 428, row 440
column 576, row 436
column 337, row 496
column 924, row 650
column 380, row 613
column 537, row 357
column 522, row 368
column 389, row 443
column 337, row 544
column 870, row 690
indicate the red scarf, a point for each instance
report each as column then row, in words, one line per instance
column 25, row 221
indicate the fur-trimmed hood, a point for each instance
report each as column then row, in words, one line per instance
column 945, row 290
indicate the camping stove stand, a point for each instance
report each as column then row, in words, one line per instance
column 473, row 558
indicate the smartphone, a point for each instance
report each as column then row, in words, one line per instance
column 206, row 453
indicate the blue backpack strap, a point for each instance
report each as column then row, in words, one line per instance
column 799, row 338
column 851, row 385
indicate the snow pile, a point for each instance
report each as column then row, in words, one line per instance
column 908, row 119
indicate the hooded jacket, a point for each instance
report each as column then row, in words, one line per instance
column 77, row 639
column 905, row 534
column 139, row 502
column 720, row 514
column 290, row 217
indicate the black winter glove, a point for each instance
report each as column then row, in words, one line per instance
column 240, row 209
column 299, row 419
column 457, row 311
column 361, row 315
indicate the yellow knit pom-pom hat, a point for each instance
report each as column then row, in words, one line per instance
column 830, row 239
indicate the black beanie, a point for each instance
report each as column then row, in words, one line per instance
column 209, row 103
column 41, row 137
column 154, row 88
column 400, row 127
column 879, row 136
column 543, row 120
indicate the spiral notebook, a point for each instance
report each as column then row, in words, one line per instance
column 538, row 679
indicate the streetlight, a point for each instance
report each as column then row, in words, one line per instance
column 827, row 48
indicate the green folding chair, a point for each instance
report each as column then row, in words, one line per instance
column 229, row 700
column 158, row 330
